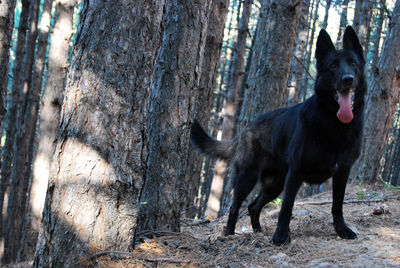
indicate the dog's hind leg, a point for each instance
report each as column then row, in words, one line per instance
column 267, row 194
column 245, row 182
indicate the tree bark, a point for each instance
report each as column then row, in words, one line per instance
column 234, row 82
column 365, row 24
column 357, row 15
column 19, row 179
column 99, row 162
column 25, row 142
column 172, row 106
column 216, row 25
column 377, row 41
column 269, row 85
column 384, row 94
column 50, row 112
column 326, row 16
column 12, row 109
column 298, row 69
column 343, row 22
column 6, row 27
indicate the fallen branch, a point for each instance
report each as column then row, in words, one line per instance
column 324, row 202
column 129, row 254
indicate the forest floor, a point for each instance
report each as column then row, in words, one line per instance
column 372, row 212
column 314, row 242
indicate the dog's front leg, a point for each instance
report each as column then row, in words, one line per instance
column 339, row 181
column 292, row 185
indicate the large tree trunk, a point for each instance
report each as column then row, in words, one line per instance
column 173, row 104
column 6, row 27
column 12, row 108
column 384, row 94
column 216, row 25
column 50, row 112
column 99, row 162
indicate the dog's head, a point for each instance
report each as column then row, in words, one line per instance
column 339, row 71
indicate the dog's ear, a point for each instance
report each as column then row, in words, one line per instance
column 351, row 42
column 324, row 46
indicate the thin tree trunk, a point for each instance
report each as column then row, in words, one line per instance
column 298, row 68
column 326, row 16
column 50, row 109
column 365, row 24
column 307, row 62
column 343, row 22
column 269, row 85
column 384, row 94
column 19, row 179
column 377, row 41
column 23, row 168
column 98, row 167
column 235, row 78
column 12, row 111
column 215, row 30
column 357, row 15
column 172, row 107
column 6, row 27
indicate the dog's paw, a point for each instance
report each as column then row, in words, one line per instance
column 345, row 232
column 280, row 239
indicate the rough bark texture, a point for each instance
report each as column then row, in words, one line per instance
column 26, row 139
column 6, row 27
column 298, row 69
column 50, row 112
column 343, row 22
column 384, row 94
column 215, row 30
column 98, row 166
column 234, row 82
column 19, row 179
column 365, row 24
column 173, row 103
column 268, row 88
column 12, row 107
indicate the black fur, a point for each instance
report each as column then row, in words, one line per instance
column 304, row 143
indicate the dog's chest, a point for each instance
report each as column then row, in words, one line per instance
column 319, row 164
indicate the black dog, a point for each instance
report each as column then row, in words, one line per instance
column 309, row 142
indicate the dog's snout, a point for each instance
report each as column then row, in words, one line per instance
column 348, row 79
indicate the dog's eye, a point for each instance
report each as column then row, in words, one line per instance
column 332, row 66
column 353, row 63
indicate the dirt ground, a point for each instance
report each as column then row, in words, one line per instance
column 372, row 212
column 314, row 241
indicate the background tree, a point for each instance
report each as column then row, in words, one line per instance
column 233, row 88
column 173, row 100
column 49, row 116
column 6, row 27
column 383, row 97
column 12, row 108
column 215, row 33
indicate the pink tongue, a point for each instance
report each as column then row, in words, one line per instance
column 345, row 114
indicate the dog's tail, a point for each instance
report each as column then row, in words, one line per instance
column 207, row 145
